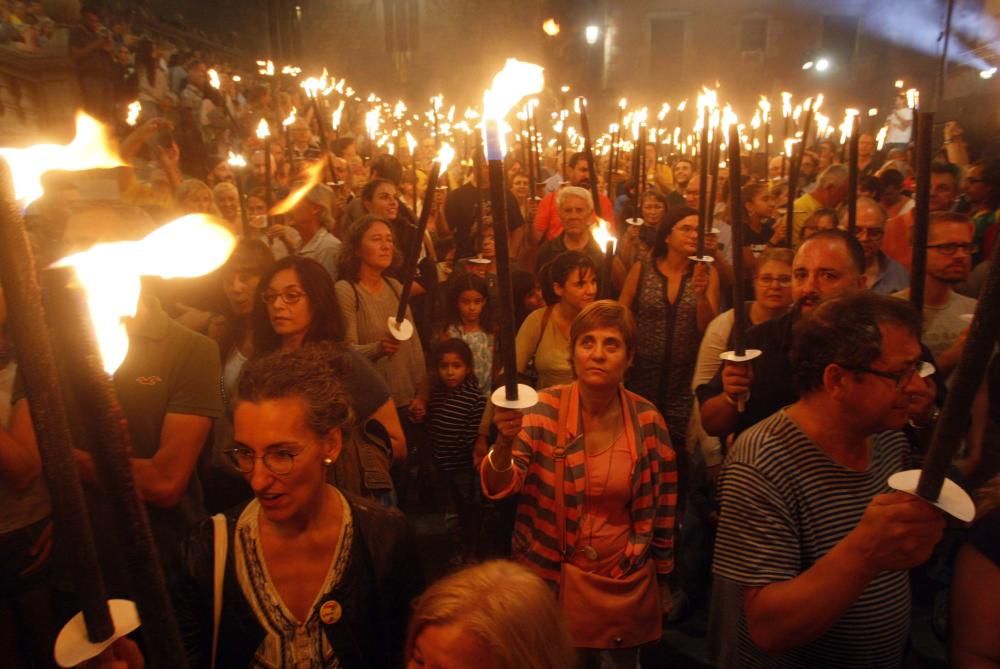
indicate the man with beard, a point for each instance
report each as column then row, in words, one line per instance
column 683, row 172
column 813, row 550
column 949, row 259
column 547, row 222
column 829, row 264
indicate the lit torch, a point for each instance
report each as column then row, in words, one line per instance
column 264, row 133
column 134, row 109
column 514, row 82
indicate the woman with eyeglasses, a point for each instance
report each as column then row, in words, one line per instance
column 313, row 576
column 772, row 286
column 673, row 298
column 296, row 307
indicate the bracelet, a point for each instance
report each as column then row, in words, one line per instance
column 489, row 458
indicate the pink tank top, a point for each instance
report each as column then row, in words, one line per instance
column 605, row 524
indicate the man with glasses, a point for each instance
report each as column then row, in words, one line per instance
column 949, row 259
column 884, row 275
column 813, row 551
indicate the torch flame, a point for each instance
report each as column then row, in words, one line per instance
column 91, row 149
column 313, row 176
column 134, row 108
column 786, row 104
column 765, row 107
column 290, row 119
column 444, row 157
column 263, row 130
column 516, row 80
column 755, row 121
column 336, row 115
column 664, row 110
column 683, row 105
column 880, row 138
column 601, row 232
column 265, row 68
column 550, row 27
column 371, row 122
column 411, row 142
column 236, row 160
column 622, row 104
column 110, row 273
column 213, row 79
column 912, row 98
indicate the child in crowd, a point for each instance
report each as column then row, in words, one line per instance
column 469, row 317
column 453, row 415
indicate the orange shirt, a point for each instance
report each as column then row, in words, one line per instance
column 547, row 218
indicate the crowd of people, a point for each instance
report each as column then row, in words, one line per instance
column 277, row 420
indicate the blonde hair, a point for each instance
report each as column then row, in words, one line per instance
column 507, row 606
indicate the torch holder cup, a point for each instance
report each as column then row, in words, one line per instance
column 952, row 500
column 526, row 398
column 402, row 330
column 73, row 647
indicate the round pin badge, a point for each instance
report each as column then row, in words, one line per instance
column 330, row 612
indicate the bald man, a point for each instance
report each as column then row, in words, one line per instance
column 885, row 275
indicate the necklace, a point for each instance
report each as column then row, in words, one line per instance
column 589, row 551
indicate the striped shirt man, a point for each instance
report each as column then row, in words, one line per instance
column 786, row 504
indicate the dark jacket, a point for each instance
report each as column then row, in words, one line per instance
column 381, row 579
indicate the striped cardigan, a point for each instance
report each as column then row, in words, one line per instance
column 654, row 485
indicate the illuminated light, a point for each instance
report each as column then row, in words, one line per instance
column 808, row 65
column 411, row 143
column 290, row 119
column 564, row 89
column 444, row 156
column 237, row 78
column 515, row 81
column 912, row 98
column 110, row 273
column 313, row 177
column 550, row 27
column 823, row 64
column 134, row 108
column 786, row 104
column 291, row 70
column 213, row 79
column 236, row 160
column 899, row 83
column 591, row 33
column 664, row 110
column 263, row 129
column 873, row 111
column 91, row 149
column 601, row 232
column 790, row 145
column 988, row 73
column 765, row 107
column 372, row 122
column 265, row 68
column 880, row 138
column 683, row 105
column 336, row 115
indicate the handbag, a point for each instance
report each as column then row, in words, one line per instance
column 601, row 611
column 530, row 373
column 218, row 572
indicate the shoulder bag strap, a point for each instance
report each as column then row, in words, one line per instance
column 219, row 570
column 559, row 458
column 541, row 332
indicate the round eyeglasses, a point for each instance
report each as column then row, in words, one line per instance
column 277, row 462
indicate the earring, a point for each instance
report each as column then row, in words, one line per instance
column 327, row 461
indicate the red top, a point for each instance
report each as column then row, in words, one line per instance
column 547, row 218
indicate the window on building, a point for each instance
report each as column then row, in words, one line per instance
column 753, row 35
column 667, row 33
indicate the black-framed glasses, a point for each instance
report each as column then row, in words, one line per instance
column 278, row 462
column 287, row 296
column 900, row 378
column 951, row 248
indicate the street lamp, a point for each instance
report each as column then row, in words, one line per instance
column 822, row 65
column 592, row 33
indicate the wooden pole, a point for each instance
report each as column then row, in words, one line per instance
column 589, row 152
column 921, row 209
column 703, row 160
column 740, row 322
column 795, row 170
column 852, row 177
column 37, row 364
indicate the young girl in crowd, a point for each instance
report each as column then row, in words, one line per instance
column 453, row 415
column 469, row 317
